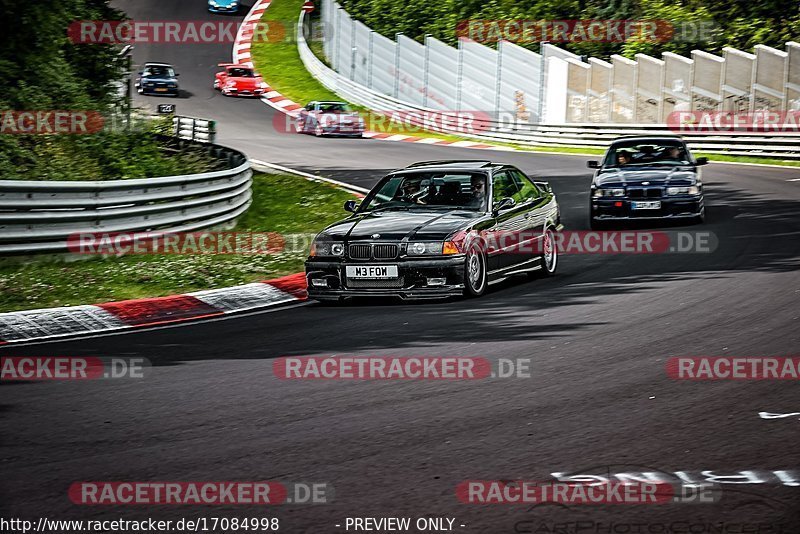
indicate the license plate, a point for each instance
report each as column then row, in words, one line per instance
column 161, row 89
column 649, row 205
column 371, row 271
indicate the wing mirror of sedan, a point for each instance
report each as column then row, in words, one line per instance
column 177, row 74
column 544, row 185
column 503, row 203
column 593, row 164
column 702, row 161
column 351, row 206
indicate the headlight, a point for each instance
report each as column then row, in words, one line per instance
column 326, row 248
column 419, row 248
column 149, row 84
column 614, row 192
column 213, row 4
column 173, row 85
column 692, row 190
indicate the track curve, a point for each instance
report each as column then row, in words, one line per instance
column 598, row 335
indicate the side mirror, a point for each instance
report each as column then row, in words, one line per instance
column 504, row 203
column 593, row 164
column 544, row 185
column 177, row 74
column 351, row 206
column 702, row 161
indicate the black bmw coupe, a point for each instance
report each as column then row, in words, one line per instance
column 647, row 178
column 437, row 229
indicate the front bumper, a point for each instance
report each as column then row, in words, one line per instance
column 246, row 92
column 411, row 282
column 170, row 91
column 679, row 207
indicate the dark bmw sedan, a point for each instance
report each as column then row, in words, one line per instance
column 647, row 178
column 437, row 229
column 157, row 79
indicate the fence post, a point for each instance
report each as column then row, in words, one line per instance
column 425, row 74
column 460, row 74
column 397, row 65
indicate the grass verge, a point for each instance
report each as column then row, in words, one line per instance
column 281, row 203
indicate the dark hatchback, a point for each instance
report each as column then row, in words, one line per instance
column 437, row 229
column 645, row 178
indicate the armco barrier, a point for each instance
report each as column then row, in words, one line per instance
column 38, row 216
column 590, row 135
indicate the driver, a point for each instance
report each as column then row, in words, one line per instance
column 411, row 193
column 478, row 191
column 623, row 158
column 674, row 153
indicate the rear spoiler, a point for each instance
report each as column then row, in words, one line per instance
column 227, row 64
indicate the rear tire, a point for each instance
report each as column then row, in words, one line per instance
column 548, row 259
column 475, row 275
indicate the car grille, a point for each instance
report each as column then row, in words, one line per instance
column 642, row 192
column 378, row 252
column 393, row 283
column 360, row 252
column 385, row 252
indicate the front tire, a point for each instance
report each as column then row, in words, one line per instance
column 318, row 130
column 475, row 275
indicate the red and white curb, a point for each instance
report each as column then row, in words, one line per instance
column 34, row 325
column 241, row 54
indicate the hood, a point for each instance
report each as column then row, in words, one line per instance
column 350, row 117
column 395, row 225
column 664, row 176
column 246, row 83
column 160, row 79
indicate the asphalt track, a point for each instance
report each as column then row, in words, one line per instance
column 598, row 336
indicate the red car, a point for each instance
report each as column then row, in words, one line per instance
column 239, row 80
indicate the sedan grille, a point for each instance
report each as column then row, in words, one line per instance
column 385, row 252
column 648, row 192
column 378, row 252
column 360, row 252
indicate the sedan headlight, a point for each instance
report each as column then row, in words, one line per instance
column 690, row 190
column 612, row 192
column 173, row 85
column 321, row 247
column 422, row 248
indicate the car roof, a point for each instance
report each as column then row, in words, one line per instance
column 449, row 165
column 646, row 138
column 156, row 64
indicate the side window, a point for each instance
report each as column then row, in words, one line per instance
column 527, row 190
column 503, row 186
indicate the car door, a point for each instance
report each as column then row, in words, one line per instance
column 535, row 202
column 509, row 223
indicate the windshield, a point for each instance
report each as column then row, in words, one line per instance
column 159, row 72
column 669, row 153
column 429, row 190
column 335, row 107
column 240, row 73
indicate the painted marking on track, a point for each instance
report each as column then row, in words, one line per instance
column 768, row 415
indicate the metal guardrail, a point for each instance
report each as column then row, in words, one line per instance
column 589, row 135
column 194, row 129
column 39, row 216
